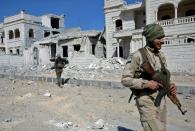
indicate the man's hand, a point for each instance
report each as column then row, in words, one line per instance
column 173, row 89
column 152, row 85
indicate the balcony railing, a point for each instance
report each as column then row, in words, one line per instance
column 166, row 22
column 181, row 20
column 179, row 41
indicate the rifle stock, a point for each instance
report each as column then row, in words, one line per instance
column 163, row 78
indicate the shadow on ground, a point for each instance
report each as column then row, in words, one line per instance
column 120, row 128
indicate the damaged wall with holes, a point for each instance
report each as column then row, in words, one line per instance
column 69, row 44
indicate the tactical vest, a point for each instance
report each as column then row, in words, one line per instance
column 144, row 75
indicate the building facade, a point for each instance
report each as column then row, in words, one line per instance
column 125, row 22
column 70, row 44
column 20, row 31
column 38, row 39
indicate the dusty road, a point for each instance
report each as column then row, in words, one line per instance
column 37, row 106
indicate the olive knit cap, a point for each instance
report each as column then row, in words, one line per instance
column 153, row 31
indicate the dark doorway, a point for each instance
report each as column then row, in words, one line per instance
column 65, row 51
column 53, row 50
column 120, row 51
column 17, row 51
column 93, row 49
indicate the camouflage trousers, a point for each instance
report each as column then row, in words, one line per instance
column 59, row 79
column 152, row 118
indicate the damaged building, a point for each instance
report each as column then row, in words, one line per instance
column 36, row 39
column 70, row 44
column 125, row 21
column 20, row 31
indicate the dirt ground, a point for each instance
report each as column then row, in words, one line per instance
column 40, row 106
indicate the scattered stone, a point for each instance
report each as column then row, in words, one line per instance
column 66, row 125
column 27, row 95
column 187, row 120
column 29, row 82
column 47, row 94
column 99, row 124
column 70, row 123
column 8, row 120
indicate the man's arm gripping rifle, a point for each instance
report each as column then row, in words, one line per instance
column 163, row 77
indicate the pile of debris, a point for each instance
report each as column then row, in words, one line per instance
column 98, row 69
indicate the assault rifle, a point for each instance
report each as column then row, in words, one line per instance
column 163, row 77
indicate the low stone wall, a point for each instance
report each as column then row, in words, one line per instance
column 187, row 89
column 12, row 60
column 102, row 84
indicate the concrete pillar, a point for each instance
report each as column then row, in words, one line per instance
column 156, row 15
column 175, row 20
column 175, row 12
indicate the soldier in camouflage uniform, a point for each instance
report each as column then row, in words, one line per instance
column 59, row 65
column 153, row 118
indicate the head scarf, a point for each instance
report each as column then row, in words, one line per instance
column 152, row 31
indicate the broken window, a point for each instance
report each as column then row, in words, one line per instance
column 17, row 33
column 55, row 22
column 77, row 47
column 46, row 34
column 2, row 49
column 119, row 25
column 55, row 32
column 2, row 36
column 10, row 51
column 11, row 34
column 65, row 51
column 53, row 50
column 190, row 40
column 31, row 33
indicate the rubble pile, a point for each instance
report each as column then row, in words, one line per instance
column 100, row 69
